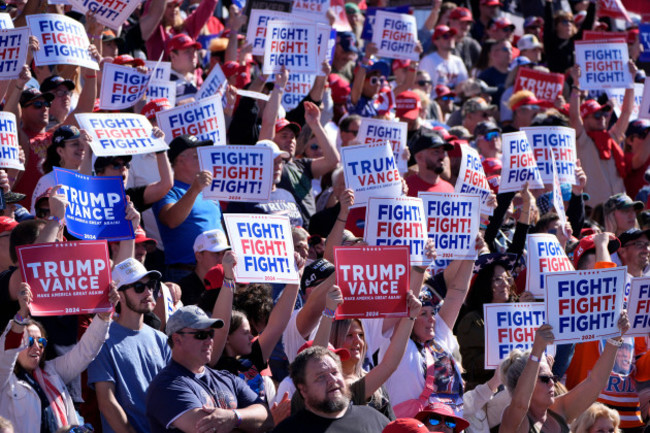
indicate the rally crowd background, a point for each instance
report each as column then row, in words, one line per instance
column 459, row 94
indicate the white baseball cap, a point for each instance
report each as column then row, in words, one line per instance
column 214, row 241
column 129, row 271
column 528, row 42
column 274, row 147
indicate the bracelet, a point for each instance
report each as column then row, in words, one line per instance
column 329, row 313
column 412, row 318
column 616, row 343
column 229, row 283
column 20, row 320
column 533, row 358
column 58, row 220
column 237, row 417
column 343, row 221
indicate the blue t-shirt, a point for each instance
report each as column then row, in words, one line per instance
column 280, row 203
column 130, row 359
column 179, row 242
column 177, row 390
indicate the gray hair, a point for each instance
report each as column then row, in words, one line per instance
column 513, row 366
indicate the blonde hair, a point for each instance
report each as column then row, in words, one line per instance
column 513, row 366
column 519, row 96
column 584, row 422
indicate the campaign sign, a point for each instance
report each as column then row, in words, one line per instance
column 264, row 248
column 13, row 52
column 370, row 170
column 9, row 146
column 66, row 277
column 510, row 326
column 519, row 164
column 370, row 14
column 373, row 131
column 203, row 119
column 374, row 281
column 97, row 206
column 558, row 142
column 325, row 41
column 159, row 70
column 396, row 35
column 292, row 45
column 597, row 35
column 471, row 178
column 638, row 307
column 584, row 305
column 644, row 38
column 271, row 5
column 316, row 7
column 617, row 96
column 120, row 134
column 604, row 65
column 239, row 173
column 545, row 85
column 397, row 221
column 111, row 13
column 545, row 254
column 6, row 22
column 161, row 89
column 214, row 83
column 438, row 265
column 298, row 86
column 452, row 223
column 257, row 25
column 558, row 201
column 644, row 109
column 122, row 87
column 341, row 23
column 63, row 41
column 613, row 9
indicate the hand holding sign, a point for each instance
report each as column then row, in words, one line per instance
column 58, row 203
column 24, row 299
column 113, row 298
column 623, row 322
column 581, row 179
column 334, row 298
column 229, row 262
column 132, row 214
column 414, row 305
column 543, row 337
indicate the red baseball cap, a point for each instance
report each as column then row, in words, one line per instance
column 155, row 105
column 344, row 354
column 282, row 123
column 230, row 68
column 587, row 244
column 141, row 236
column 340, row 88
column 405, row 425
column 632, row 36
column 490, row 3
column 532, row 100
column 125, row 59
column 180, row 42
column 213, row 279
column 408, row 105
column 441, row 31
column 502, row 23
column 492, row 166
column 444, row 410
column 7, row 224
column 591, row 106
column 461, row 14
column 400, row 64
column 442, row 90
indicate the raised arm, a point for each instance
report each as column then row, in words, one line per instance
column 333, row 299
column 309, row 315
column 174, row 214
column 330, row 158
column 270, row 115
column 618, row 130
column 223, row 306
column 127, row 247
column 157, row 190
column 89, row 91
column 335, row 237
column 575, row 121
column 151, row 18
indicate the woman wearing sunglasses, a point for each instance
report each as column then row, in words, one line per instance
column 528, row 377
column 33, row 394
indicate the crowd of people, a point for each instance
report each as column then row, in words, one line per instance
column 222, row 355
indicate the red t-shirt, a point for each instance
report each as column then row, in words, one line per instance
column 38, row 144
column 416, row 184
column 635, row 179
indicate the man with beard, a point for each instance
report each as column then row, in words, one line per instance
column 634, row 252
column 133, row 353
column 316, row 372
column 430, row 153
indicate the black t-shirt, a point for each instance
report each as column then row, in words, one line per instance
column 191, row 289
column 136, row 194
column 296, row 178
column 357, row 419
column 322, row 222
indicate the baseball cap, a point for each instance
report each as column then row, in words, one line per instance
column 7, row 224
column 128, row 60
column 637, row 127
column 533, row 21
column 407, row 105
column 528, row 42
column 13, row 197
column 141, row 237
column 442, row 30
column 129, row 271
column 181, row 41
column 351, row 8
column 632, row 235
column 405, row 425
column 108, row 35
column 475, row 104
column 347, row 41
column 184, row 142
column 54, row 81
column 340, row 88
column 429, row 140
column 461, row 14
column 490, row 3
column 485, row 127
column 492, row 166
column 315, row 272
column 591, row 106
column 31, row 94
column 155, row 105
column 344, row 354
column 501, row 23
column 65, row 132
column 475, row 87
column 282, row 123
column 274, row 147
column 532, row 100
column 644, row 218
column 621, row 201
column 190, row 316
column 442, row 90
column 444, row 410
column 213, row 279
column 400, row 64
column 230, row 68
column 519, row 61
column 587, row 244
column 104, row 161
column 214, row 241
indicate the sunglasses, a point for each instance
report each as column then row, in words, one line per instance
column 545, row 378
column 119, row 165
column 446, row 36
column 435, row 421
column 530, row 107
column 42, row 342
column 376, row 80
column 352, row 131
column 200, row 335
column 566, row 22
column 600, row 114
column 139, row 286
column 42, row 212
column 424, row 82
column 39, row 104
column 62, row 93
column 446, row 98
column 491, row 135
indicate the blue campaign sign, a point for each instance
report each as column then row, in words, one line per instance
column 644, row 37
column 97, row 206
column 370, row 19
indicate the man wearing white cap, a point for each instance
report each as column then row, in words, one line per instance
column 530, row 47
column 209, row 248
column 132, row 355
column 188, row 396
column 282, row 202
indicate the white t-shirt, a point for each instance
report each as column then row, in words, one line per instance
column 450, row 72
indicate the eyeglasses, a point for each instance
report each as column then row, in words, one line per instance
column 42, row 342
column 200, row 335
column 491, row 135
column 352, row 131
column 530, row 107
column 600, row 114
column 424, row 82
column 39, row 104
column 545, row 378
column 42, row 212
column 376, row 80
column 436, row 420
column 62, row 93
column 119, row 165
column 504, row 280
column 139, row 287
column 447, row 98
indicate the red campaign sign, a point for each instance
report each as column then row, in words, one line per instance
column 374, row 281
column 594, row 35
column 613, row 9
column 545, row 85
column 341, row 23
column 67, row 277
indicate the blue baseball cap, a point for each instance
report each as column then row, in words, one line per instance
column 347, row 41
